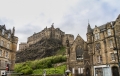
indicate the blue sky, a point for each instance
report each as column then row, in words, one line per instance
column 71, row 16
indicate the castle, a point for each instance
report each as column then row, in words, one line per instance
column 47, row 33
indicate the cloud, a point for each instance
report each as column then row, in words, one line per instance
column 71, row 16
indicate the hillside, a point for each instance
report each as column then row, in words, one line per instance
column 41, row 49
column 52, row 65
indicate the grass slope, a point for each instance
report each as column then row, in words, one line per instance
column 50, row 64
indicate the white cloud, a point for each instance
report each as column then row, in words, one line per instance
column 71, row 16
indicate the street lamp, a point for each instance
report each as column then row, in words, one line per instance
column 67, row 72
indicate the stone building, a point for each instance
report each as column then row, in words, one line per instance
column 99, row 55
column 8, row 46
column 47, row 33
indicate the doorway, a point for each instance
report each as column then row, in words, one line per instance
column 87, row 72
column 115, row 71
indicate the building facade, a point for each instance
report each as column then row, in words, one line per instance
column 8, row 47
column 47, row 33
column 100, row 54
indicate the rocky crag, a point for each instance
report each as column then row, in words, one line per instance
column 41, row 49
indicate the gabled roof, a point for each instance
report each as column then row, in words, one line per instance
column 78, row 37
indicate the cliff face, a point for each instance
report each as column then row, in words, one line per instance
column 41, row 49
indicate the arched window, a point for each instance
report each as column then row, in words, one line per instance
column 79, row 53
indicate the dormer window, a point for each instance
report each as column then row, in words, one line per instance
column 109, row 32
column 3, row 31
column 97, row 36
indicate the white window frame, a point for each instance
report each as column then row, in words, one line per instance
column 109, row 32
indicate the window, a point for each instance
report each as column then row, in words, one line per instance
column 9, row 35
column 0, row 63
column 2, row 42
column 97, row 36
column 98, row 46
column 79, row 53
column 79, row 57
column 5, row 63
column 99, row 58
column 109, row 32
column 8, row 45
column 6, row 55
column 0, row 52
column 112, row 56
column 111, row 43
column 3, row 31
column 80, row 70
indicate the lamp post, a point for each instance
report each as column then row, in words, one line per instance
column 67, row 53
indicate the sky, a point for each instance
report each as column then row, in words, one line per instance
column 71, row 16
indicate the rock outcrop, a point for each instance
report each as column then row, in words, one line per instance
column 41, row 49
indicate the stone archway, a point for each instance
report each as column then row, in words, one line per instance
column 87, row 72
column 115, row 71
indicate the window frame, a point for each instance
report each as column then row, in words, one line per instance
column 0, row 52
column 112, row 56
column 109, row 32
column 6, row 54
column 111, row 43
column 97, row 36
column 3, row 32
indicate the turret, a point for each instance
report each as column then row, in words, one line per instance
column 89, row 34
